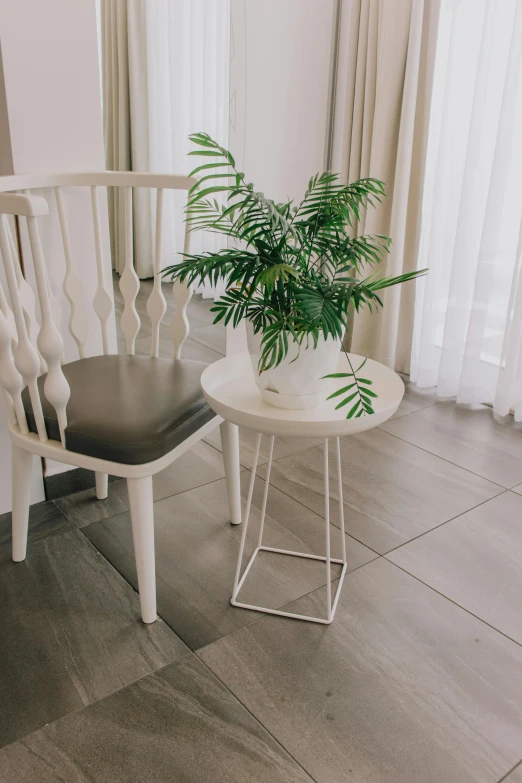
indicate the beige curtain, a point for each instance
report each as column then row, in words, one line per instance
column 385, row 71
column 126, row 123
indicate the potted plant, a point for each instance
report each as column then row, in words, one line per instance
column 293, row 272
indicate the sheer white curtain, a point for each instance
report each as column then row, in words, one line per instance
column 468, row 319
column 166, row 74
column 188, row 44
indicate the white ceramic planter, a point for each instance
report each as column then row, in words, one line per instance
column 294, row 384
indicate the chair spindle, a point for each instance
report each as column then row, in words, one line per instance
column 72, row 286
column 27, row 298
column 182, row 294
column 129, row 282
column 50, row 343
column 56, row 305
column 102, row 301
column 26, row 358
column 10, row 379
column 8, row 315
column 156, row 303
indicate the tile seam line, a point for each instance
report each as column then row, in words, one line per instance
column 163, row 620
column 409, row 413
column 152, row 673
column 441, row 524
column 127, row 511
column 256, row 719
column 138, row 615
column 421, row 448
column 303, row 505
column 447, row 598
column 78, row 711
column 383, row 554
column 263, row 461
column 197, row 653
column 390, row 562
column 267, row 614
column 513, row 769
column 404, row 440
column 184, row 491
column 258, row 615
column 205, row 345
column 319, row 588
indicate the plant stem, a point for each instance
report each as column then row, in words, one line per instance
column 355, row 379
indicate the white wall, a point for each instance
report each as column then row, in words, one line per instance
column 51, row 93
column 50, row 58
column 280, row 65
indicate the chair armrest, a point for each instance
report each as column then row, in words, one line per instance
column 28, row 206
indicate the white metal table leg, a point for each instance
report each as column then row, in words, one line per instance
column 341, row 520
column 327, row 532
column 327, row 558
column 237, row 581
column 265, row 494
column 340, row 493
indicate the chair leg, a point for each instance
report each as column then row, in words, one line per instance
column 142, row 518
column 230, row 441
column 22, row 463
column 102, row 485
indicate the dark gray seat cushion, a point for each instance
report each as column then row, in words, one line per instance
column 129, row 409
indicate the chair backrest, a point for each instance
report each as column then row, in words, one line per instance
column 30, row 346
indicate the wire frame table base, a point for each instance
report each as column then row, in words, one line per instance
column 239, row 579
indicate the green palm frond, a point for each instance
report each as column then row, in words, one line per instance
column 295, row 270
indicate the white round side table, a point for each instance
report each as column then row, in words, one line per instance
column 230, row 390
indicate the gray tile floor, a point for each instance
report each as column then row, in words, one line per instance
column 418, row 680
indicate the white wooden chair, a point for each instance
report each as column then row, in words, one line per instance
column 129, row 416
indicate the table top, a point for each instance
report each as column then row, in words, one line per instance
column 230, row 389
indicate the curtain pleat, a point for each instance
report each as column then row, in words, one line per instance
column 115, row 81
column 382, row 101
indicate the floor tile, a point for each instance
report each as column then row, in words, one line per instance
column 62, row 484
column 247, row 445
column 196, row 552
column 45, row 519
column 476, row 560
column 214, row 336
column 515, row 776
column 191, row 349
column 517, row 489
column 71, row 634
column 469, row 438
column 82, row 508
column 201, row 465
column 414, row 398
column 403, row 686
column 180, row 725
column 392, row 490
